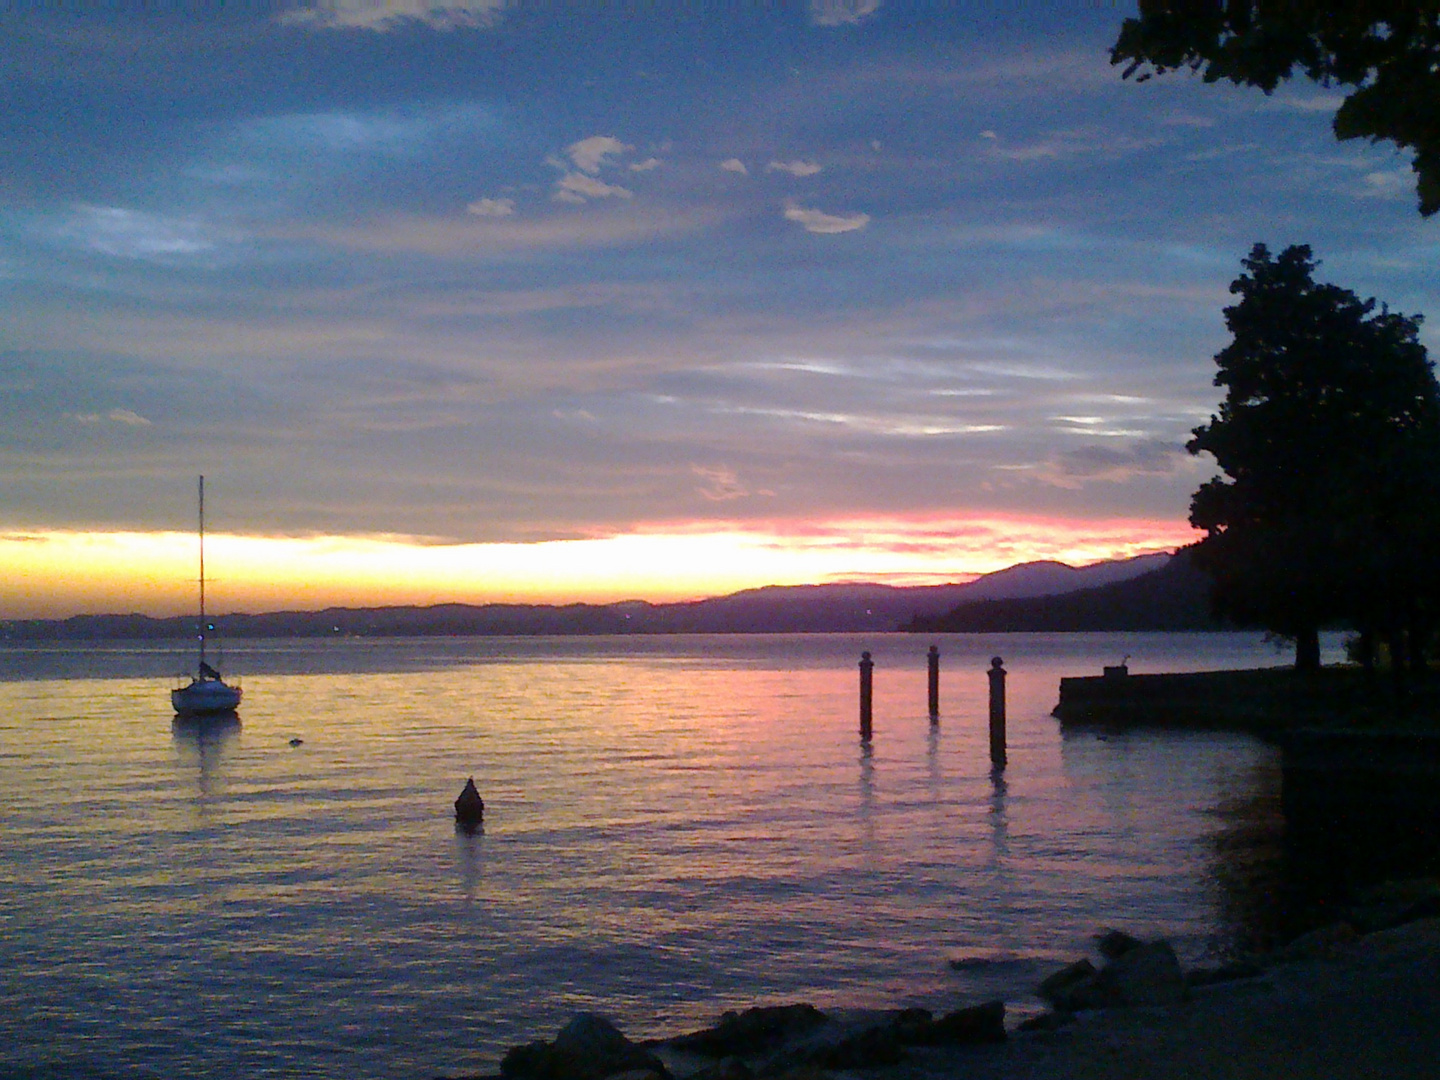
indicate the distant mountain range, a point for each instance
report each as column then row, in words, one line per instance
column 773, row 609
column 1174, row 596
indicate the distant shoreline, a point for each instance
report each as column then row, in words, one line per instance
column 187, row 638
column 836, row 608
column 1150, row 593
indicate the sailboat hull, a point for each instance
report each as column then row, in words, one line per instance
column 205, row 697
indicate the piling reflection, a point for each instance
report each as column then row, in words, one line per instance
column 867, row 796
column 932, row 761
column 999, row 821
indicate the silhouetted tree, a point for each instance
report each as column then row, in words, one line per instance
column 1328, row 437
column 1388, row 50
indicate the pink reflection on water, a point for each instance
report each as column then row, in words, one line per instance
column 674, row 827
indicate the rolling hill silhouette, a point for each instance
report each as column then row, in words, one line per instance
column 772, row 609
column 1176, row 596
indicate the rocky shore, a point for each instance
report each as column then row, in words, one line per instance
column 1357, row 998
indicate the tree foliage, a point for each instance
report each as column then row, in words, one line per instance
column 1387, row 50
column 1329, row 438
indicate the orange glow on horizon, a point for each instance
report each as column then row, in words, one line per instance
column 51, row 573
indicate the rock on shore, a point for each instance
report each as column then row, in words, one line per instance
column 767, row 1041
column 1136, row 974
column 589, row 1047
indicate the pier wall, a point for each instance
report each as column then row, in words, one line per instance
column 1260, row 699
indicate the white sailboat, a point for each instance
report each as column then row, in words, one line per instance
column 207, row 694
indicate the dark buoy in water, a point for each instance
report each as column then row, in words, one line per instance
column 297, row 742
column 469, row 807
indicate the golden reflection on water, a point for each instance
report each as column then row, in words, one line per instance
column 672, row 828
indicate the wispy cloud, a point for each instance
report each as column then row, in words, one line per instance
column 1182, row 119
column 1320, row 103
column 1038, row 371
column 735, row 165
column 396, row 131
column 135, row 234
column 1071, row 143
column 589, row 154
column 721, row 483
column 266, row 160
column 1037, row 151
column 818, row 221
column 491, row 207
column 1219, row 153
column 577, row 187
column 1389, row 184
column 1099, row 462
column 125, row 417
column 842, row 12
column 449, row 237
column 381, row 15
column 795, row 168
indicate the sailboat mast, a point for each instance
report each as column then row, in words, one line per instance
column 202, row 569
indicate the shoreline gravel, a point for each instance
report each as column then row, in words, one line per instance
column 1365, row 1008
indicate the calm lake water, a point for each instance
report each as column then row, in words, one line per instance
column 675, row 826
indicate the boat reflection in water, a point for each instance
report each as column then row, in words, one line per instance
column 202, row 741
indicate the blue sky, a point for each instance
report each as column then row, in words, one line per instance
column 490, row 273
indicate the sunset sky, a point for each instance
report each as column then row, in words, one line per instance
column 470, row 300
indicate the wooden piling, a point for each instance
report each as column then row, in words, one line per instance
column 997, row 712
column 934, row 684
column 867, row 669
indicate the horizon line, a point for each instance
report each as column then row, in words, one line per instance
column 852, row 582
